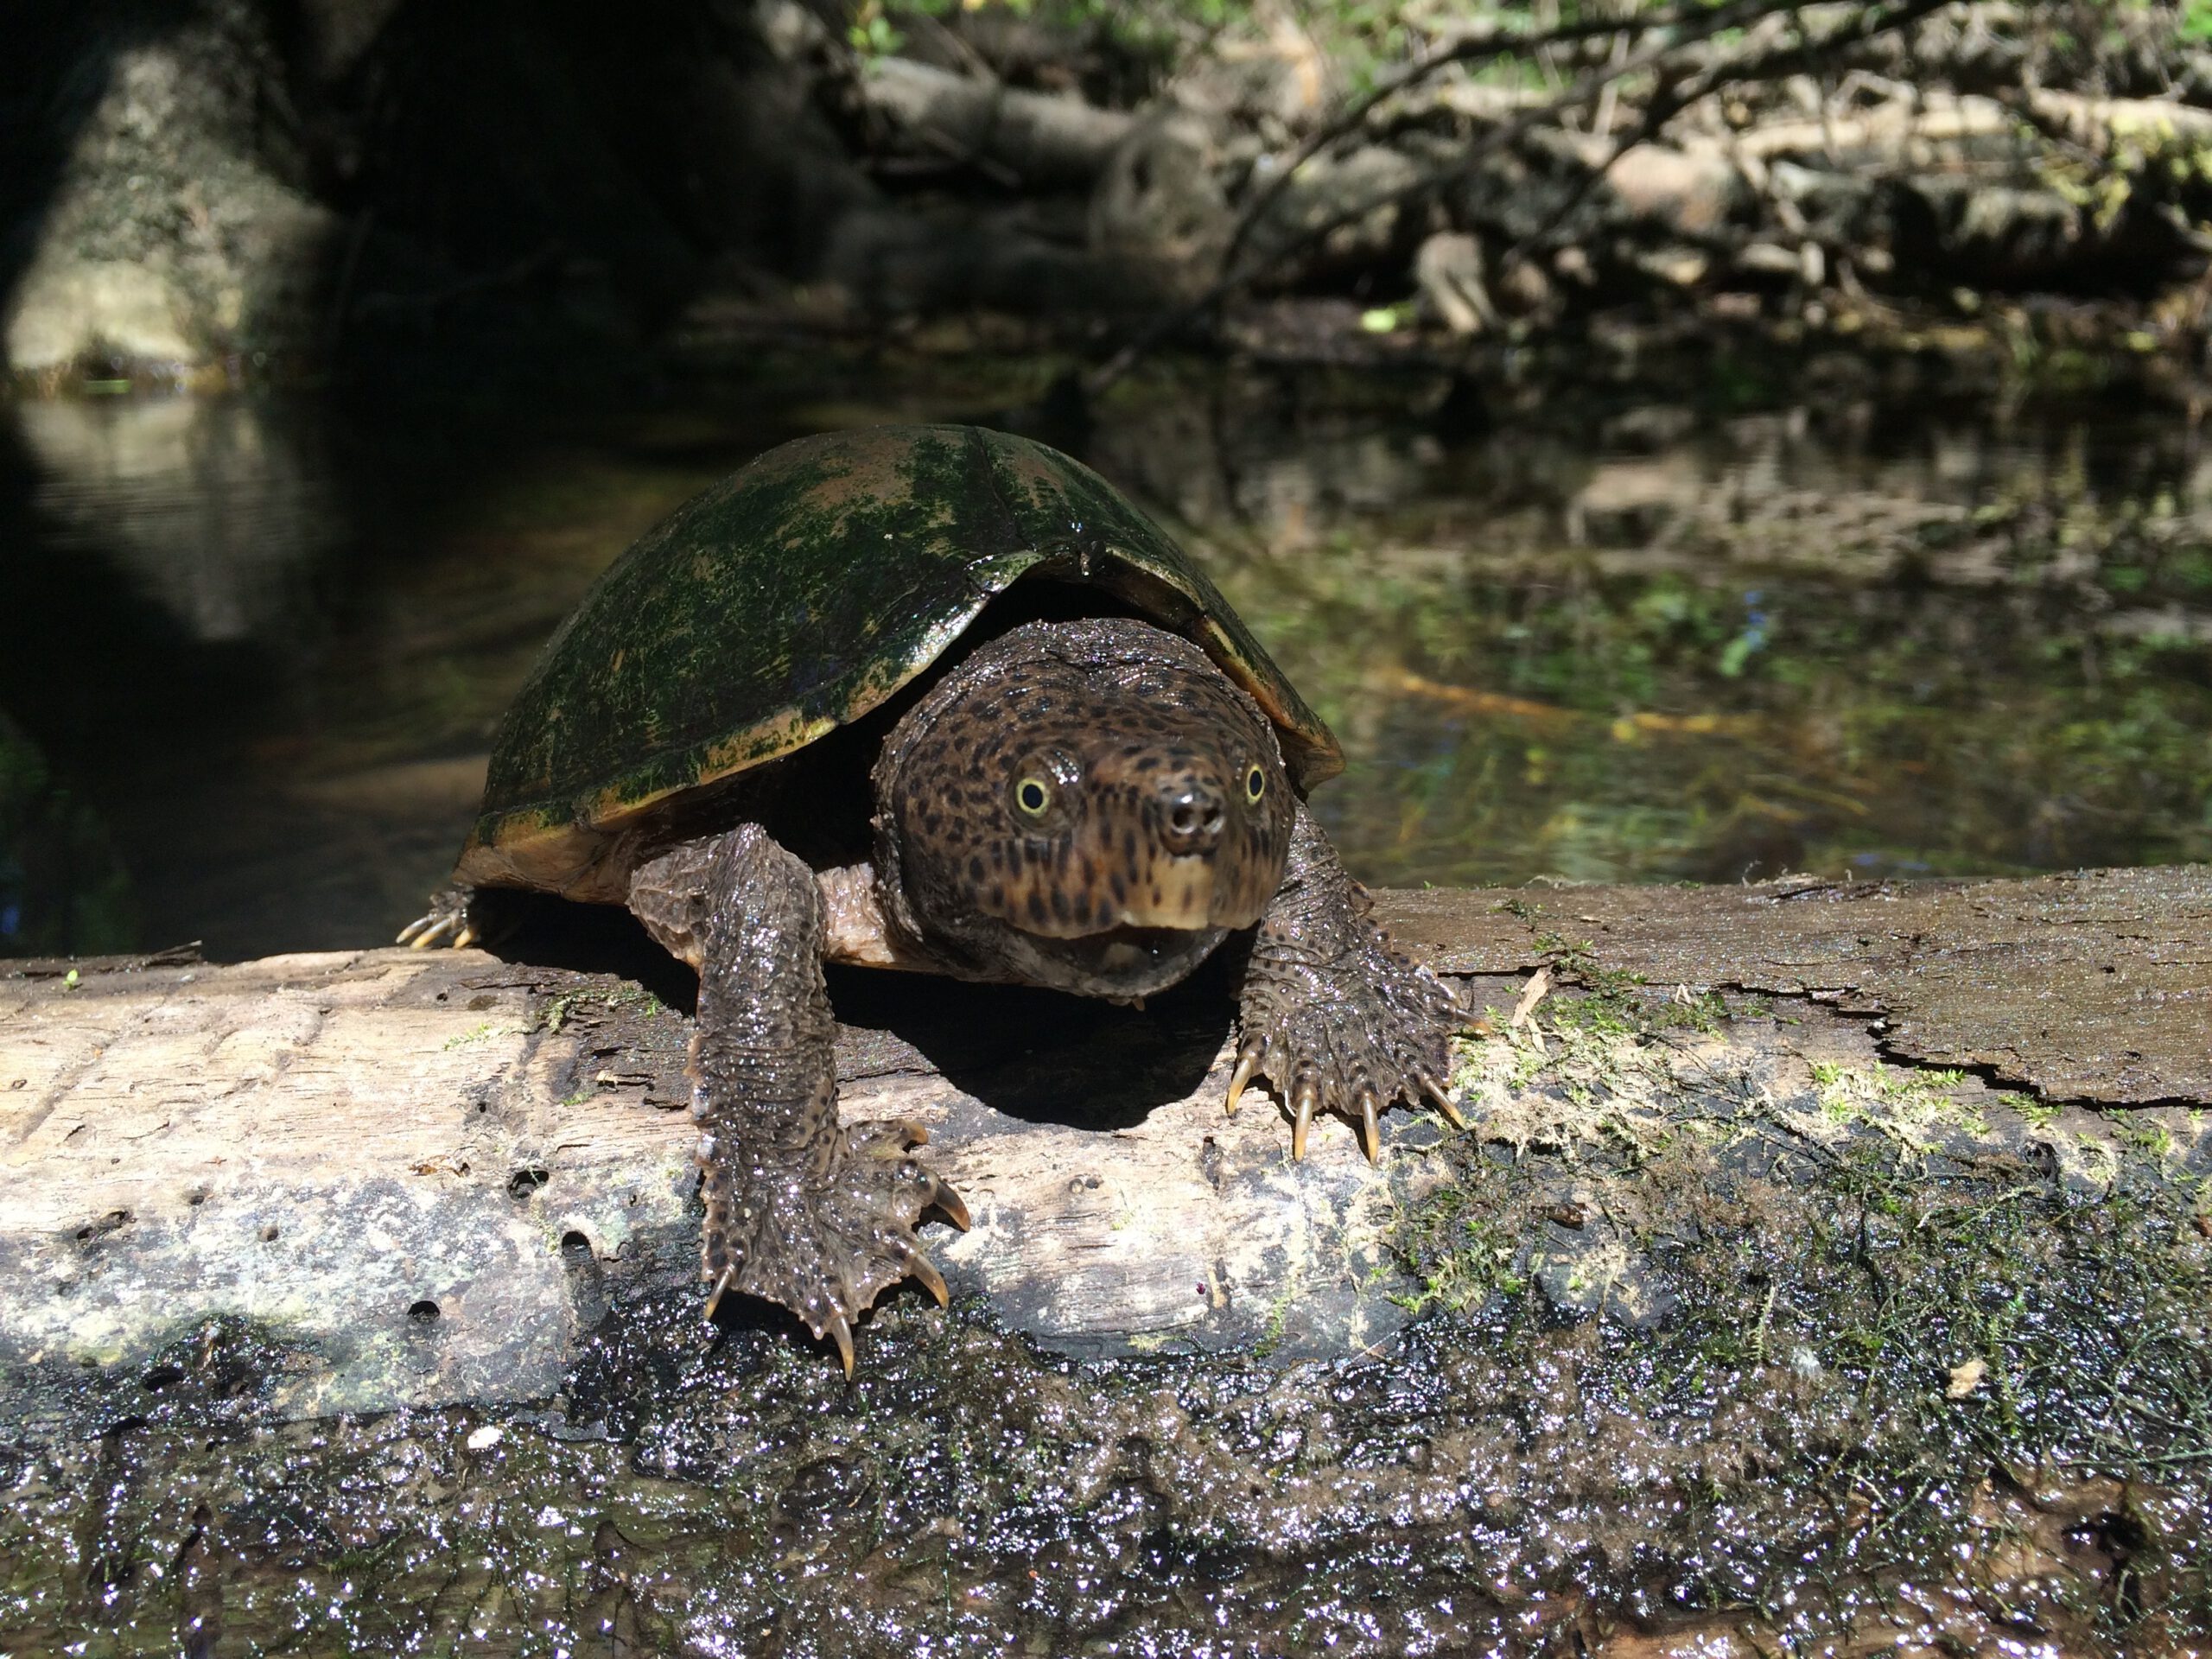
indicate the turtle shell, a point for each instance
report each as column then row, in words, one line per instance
column 794, row 597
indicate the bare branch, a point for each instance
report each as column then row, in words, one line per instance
column 1488, row 42
column 1704, row 79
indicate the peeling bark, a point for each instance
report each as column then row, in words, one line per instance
column 2094, row 986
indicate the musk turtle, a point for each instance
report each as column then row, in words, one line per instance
column 933, row 698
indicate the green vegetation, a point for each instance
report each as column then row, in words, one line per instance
column 483, row 1032
column 1895, row 1389
column 1457, row 1250
column 1772, row 701
column 1681, row 1336
column 620, row 995
column 1877, row 1255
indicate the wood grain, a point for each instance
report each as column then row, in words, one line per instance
column 420, row 1167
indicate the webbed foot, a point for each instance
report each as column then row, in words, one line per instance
column 1332, row 1015
column 826, row 1246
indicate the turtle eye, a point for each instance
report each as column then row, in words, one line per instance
column 1032, row 795
column 1255, row 783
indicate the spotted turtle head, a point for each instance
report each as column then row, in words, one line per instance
column 1087, row 805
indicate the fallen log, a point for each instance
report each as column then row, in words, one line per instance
column 935, row 118
column 427, row 1171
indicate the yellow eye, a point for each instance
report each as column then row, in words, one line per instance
column 1032, row 795
column 1255, row 783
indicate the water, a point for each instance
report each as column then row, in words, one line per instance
column 256, row 645
column 255, row 650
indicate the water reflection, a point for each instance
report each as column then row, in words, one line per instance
column 217, row 510
column 1713, row 647
column 1625, row 642
column 62, row 889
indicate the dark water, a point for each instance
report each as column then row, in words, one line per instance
column 255, row 646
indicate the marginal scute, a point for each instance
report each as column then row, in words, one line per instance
column 797, row 595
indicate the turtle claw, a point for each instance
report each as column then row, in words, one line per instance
column 447, row 916
column 827, row 1245
column 1434, row 1091
column 1245, row 1061
column 923, row 1269
column 1333, row 1015
column 948, row 1202
column 721, row 1284
column 426, row 931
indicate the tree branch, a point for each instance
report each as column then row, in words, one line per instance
column 1706, row 80
column 1482, row 43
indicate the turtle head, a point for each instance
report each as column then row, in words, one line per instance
column 1087, row 805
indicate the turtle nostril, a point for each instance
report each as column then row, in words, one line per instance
column 1194, row 819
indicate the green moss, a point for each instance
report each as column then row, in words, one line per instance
column 560, row 1010
column 1937, row 1326
column 1780, row 1451
column 1455, row 1247
column 481, row 1033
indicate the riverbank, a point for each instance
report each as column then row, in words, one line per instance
column 221, row 195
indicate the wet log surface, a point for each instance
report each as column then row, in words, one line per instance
column 424, row 1167
column 1805, row 1286
column 2095, row 985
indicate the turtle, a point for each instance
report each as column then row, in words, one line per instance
column 934, row 698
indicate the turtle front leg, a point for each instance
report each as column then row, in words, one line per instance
column 1332, row 1015
column 799, row 1210
column 460, row 916
column 446, row 918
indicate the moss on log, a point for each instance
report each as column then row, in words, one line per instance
column 1736, row 1325
column 418, row 1169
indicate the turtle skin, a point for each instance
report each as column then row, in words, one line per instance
column 1095, row 804
column 799, row 1210
column 1138, row 727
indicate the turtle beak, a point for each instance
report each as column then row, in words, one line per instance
column 1123, row 963
column 1176, row 892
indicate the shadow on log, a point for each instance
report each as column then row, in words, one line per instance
column 1736, row 1327
column 420, row 1168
